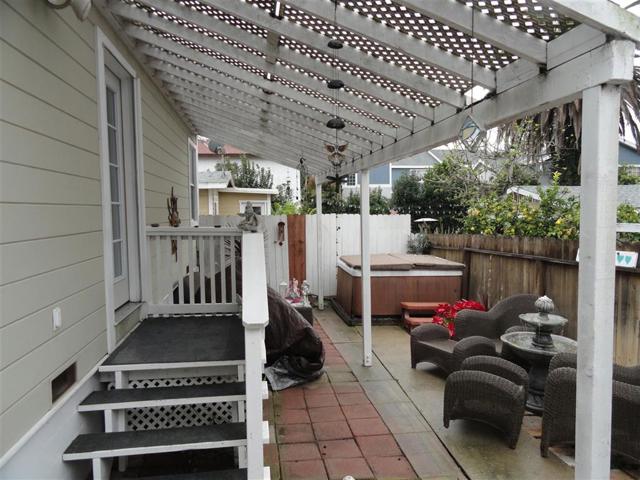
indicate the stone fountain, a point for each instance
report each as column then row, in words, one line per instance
column 537, row 345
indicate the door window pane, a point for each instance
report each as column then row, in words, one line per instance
column 115, row 221
column 111, row 106
column 117, row 259
column 113, row 145
column 113, row 178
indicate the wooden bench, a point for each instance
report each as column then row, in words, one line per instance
column 417, row 313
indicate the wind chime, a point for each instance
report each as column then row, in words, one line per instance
column 335, row 151
column 472, row 133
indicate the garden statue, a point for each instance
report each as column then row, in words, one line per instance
column 250, row 221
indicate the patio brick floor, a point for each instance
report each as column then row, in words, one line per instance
column 329, row 428
column 385, row 421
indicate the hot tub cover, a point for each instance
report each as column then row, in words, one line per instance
column 402, row 261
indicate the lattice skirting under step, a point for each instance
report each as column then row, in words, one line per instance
column 180, row 415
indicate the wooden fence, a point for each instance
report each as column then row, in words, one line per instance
column 501, row 266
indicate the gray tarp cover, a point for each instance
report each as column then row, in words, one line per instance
column 294, row 350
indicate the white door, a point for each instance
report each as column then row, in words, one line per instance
column 122, row 183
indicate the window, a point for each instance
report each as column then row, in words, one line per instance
column 261, row 207
column 351, row 180
column 193, row 181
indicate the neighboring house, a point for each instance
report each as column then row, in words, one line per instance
column 282, row 174
column 629, row 194
column 384, row 176
column 219, row 196
column 629, row 157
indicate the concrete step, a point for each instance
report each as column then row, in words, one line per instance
column 143, row 442
column 162, row 396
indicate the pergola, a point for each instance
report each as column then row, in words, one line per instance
column 254, row 73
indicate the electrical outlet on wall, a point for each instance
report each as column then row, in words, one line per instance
column 57, row 318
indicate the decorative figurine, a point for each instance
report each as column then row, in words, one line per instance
column 306, row 288
column 174, row 220
column 250, row 221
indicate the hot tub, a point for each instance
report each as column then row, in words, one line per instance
column 396, row 278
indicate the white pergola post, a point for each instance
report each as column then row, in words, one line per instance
column 319, row 243
column 365, row 262
column 596, row 280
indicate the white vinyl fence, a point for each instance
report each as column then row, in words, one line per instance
column 341, row 236
column 277, row 256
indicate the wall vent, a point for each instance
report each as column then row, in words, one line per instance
column 63, row 382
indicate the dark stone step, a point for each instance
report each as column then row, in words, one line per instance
column 149, row 397
column 173, row 340
column 141, row 442
column 239, row 474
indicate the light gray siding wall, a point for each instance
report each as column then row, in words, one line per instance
column 50, row 201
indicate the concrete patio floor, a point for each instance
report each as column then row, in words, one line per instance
column 409, row 402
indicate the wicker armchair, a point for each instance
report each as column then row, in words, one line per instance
column 477, row 333
column 490, row 390
column 559, row 416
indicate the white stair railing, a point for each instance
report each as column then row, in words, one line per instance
column 255, row 317
column 192, row 270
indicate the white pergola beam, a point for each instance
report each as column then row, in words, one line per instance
column 244, row 75
column 178, row 67
column 397, row 41
column 191, row 82
column 251, row 141
column 279, row 70
column 255, row 129
column 249, row 145
column 483, row 27
column 612, row 62
column 596, row 280
column 354, row 56
column 299, row 141
column 250, row 111
column 269, row 47
column 602, row 15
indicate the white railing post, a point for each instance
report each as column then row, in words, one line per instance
column 319, row 247
column 365, row 266
column 255, row 316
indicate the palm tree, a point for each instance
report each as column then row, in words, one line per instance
column 556, row 132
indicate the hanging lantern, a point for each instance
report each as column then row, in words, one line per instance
column 335, row 84
column 336, row 123
column 335, row 44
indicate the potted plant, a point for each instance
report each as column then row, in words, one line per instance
column 446, row 313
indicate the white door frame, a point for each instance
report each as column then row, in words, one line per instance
column 104, row 43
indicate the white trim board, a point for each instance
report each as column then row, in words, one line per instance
column 167, row 366
column 354, row 272
column 161, row 403
column 155, row 449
